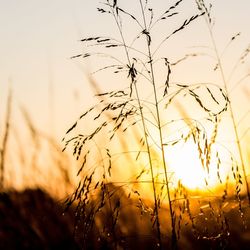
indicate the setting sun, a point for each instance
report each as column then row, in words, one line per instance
column 185, row 165
column 183, row 160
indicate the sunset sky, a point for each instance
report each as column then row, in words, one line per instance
column 39, row 37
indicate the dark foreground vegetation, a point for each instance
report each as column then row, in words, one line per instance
column 33, row 220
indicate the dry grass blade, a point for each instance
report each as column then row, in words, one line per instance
column 3, row 150
column 183, row 26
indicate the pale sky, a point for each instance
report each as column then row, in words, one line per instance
column 38, row 38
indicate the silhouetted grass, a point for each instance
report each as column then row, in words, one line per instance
column 120, row 111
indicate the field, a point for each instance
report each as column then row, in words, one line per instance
column 37, row 221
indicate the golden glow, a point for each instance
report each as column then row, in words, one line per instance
column 184, row 164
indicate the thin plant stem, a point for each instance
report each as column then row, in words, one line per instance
column 5, row 140
column 230, row 109
column 145, row 137
column 174, row 238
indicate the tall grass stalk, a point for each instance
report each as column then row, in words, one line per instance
column 3, row 150
column 134, row 82
column 148, row 37
column 202, row 6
